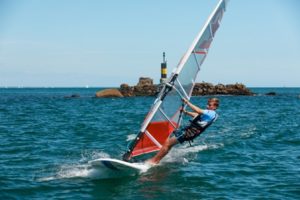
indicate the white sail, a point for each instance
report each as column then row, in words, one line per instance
column 165, row 115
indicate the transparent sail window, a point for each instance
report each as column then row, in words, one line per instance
column 171, row 105
column 204, row 42
column 215, row 22
column 188, row 74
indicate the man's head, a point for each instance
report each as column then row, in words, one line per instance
column 212, row 103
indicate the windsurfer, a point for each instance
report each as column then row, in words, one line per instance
column 202, row 119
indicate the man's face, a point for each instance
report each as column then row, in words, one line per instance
column 211, row 105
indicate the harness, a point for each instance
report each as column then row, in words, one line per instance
column 196, row 127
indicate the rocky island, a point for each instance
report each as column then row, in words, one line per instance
column 146, row 87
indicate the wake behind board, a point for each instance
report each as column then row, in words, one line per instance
column 113, row 168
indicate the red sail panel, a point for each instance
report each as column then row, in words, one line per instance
column 160, row 130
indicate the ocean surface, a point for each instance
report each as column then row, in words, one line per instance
column 46, row 140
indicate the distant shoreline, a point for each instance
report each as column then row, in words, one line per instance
column 146, row 87
column 115, row 87
column 79, row 92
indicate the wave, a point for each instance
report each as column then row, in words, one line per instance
column 82, row 169
column 130, row 137
column 184, row 153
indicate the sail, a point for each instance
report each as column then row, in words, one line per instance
column 166, row 112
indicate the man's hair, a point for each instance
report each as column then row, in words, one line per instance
column 215, row 101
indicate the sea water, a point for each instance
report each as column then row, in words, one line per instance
column 46, row 141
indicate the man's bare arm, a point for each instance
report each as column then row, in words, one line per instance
column 192, row 114
column 192, row 106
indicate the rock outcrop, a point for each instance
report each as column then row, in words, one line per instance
column 73, row 96
column 126, row 90
column 109, row 93
column 144, row 81
column 145, row 87
column 204, row 88
column 271, row 93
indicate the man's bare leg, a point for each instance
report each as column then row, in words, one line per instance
column 163, row 151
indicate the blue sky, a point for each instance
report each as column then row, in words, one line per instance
column 108, row 42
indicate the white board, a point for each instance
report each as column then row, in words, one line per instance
column 113, row 168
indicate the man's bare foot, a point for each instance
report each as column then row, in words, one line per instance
column 151, row 162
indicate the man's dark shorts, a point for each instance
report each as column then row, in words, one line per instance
column 186, row 134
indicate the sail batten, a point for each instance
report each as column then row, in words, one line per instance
column 181, row 87
column 167, row 118
column 199, row 66
column 165, row 115
column 153, row 139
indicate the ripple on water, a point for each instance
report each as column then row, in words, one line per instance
column 251, row 151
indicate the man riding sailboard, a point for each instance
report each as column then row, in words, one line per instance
column 202, row 119
column 161, row 129
column 162, row 126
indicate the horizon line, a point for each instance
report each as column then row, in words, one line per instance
column 91, row 87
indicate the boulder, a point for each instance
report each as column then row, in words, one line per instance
column 73, row 96
column 145, row 90
column 220, row 89
column 109, row 93
column 145, row 87
column 271, row 93
column 145, row 81
column 126, row 90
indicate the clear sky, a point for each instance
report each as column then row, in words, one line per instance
column 108, row 42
